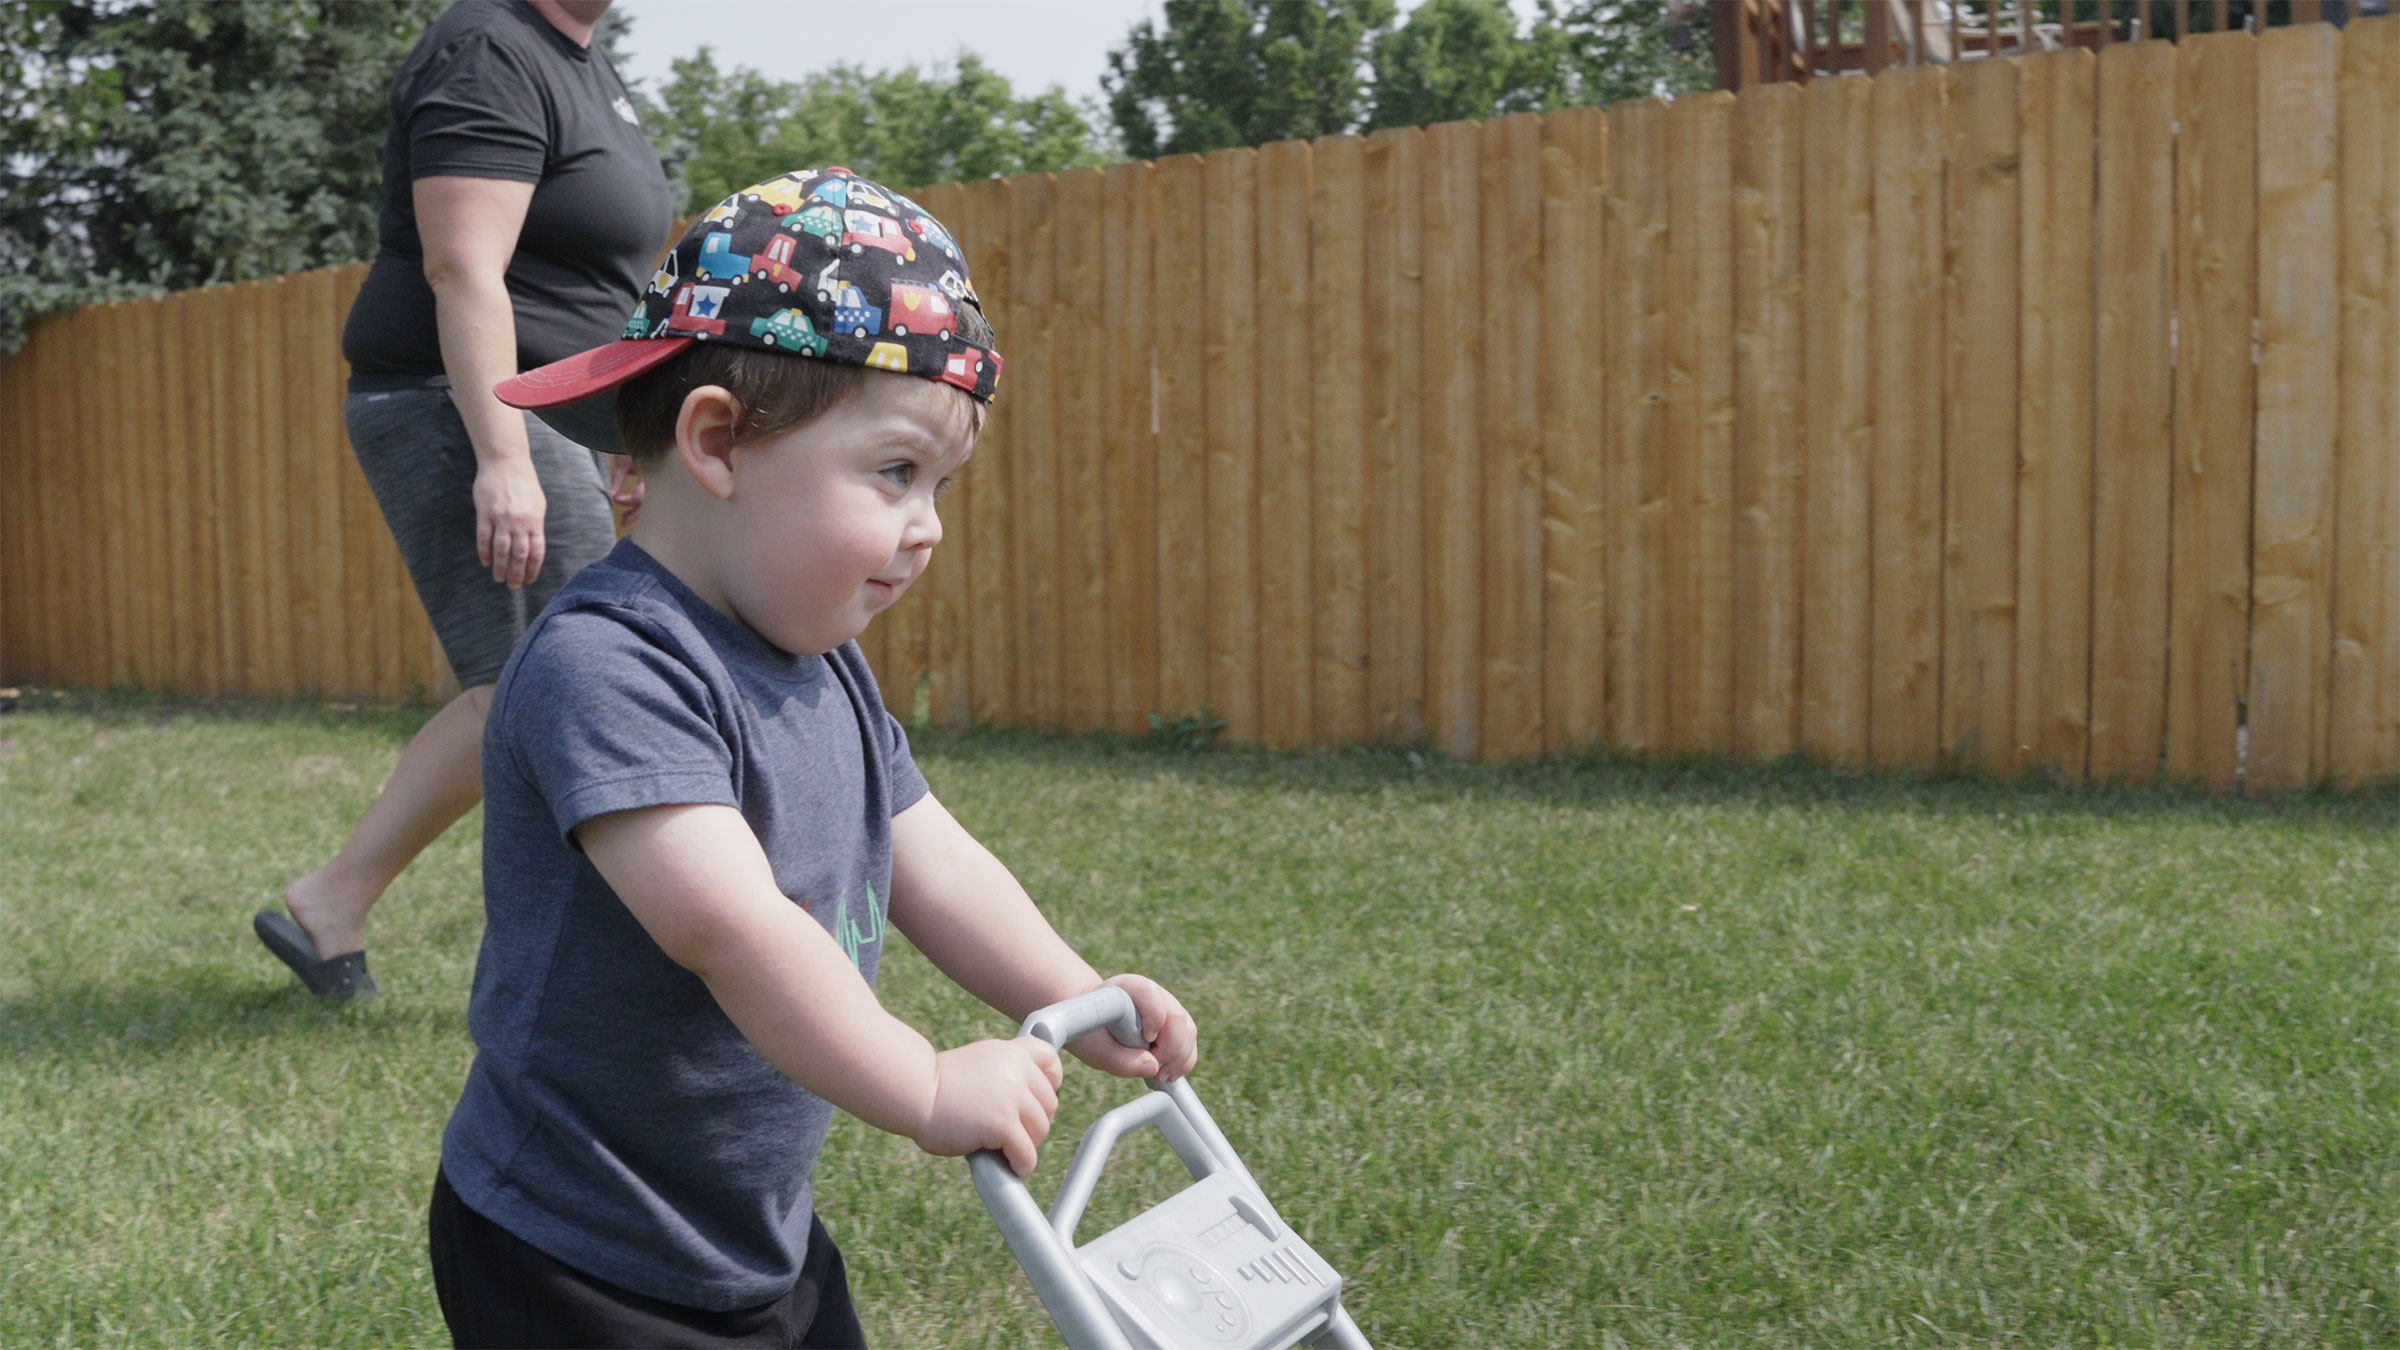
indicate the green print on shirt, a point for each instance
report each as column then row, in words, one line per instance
column 852, row 937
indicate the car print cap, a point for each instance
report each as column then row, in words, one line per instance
column 821, row 263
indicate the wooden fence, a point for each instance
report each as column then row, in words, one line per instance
column 2027, row 414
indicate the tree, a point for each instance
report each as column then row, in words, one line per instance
column 173, row 143
column 725, row 130
column 1242, row 72
column 1217, row 73
column 1457, row 59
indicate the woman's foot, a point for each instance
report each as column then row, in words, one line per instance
column 333, row 920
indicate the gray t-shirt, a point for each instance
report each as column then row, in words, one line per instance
column 614, row 1117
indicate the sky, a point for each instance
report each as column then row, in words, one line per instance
column 1035, row 43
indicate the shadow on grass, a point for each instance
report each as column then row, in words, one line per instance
column 152, row 1017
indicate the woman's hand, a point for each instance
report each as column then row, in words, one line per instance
column 508, row 520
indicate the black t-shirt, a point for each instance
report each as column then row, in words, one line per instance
column 493, row 91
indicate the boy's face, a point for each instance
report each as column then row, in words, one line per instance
column 832, row 520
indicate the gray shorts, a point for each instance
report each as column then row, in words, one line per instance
column 412, row 445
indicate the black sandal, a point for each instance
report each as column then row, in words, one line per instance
column 336, row 981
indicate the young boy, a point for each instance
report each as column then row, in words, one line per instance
column 699, row 818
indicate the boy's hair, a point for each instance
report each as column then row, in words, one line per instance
column 777, row 393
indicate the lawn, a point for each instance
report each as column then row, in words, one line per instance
column 1573, row 1053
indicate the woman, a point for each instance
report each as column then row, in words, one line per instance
column 523, row 210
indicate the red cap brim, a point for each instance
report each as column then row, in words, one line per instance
column 587, row 373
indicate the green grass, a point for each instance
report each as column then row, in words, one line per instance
column 1572, row 1053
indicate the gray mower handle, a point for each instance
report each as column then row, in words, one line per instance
column 1081, row 1318
column 1106, row 1006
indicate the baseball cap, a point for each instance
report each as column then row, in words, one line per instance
column 820, row 264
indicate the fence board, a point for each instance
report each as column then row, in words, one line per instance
column 1979, row 471
column 1394, row 383
column 1077, row 354
column 2134, row 408
column 1231, row 364
column 1843, row 218
column 296, row 454
column 245, row 481
column 1338, row 469
column 363, row 532
column 1514, row 317
column 1132, row 455
column 1639, row 510
column 1768, row 466
column 2298, row 325
column 156, row 471
column 1286, row 526
column 2216, row 225
column 1179, row 277
column 108, row 440
column 2054, row 415
column 1700, row 419
column 996, row 693
column 16, row 651
column 1575, row 579
column 1453, row 366
column 2365, row 697
column 1035, row 440
column 172, row 518
column 83, row 623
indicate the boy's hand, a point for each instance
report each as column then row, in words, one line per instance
column 1174, row 1039
column 993, row 1094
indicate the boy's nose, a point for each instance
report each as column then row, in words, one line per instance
column 925, row 530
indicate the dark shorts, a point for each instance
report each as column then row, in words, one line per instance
column 413, row 447
column 498, row 1290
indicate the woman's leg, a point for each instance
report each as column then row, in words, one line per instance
column 438, row 779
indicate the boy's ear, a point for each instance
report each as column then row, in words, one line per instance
column 704, row 438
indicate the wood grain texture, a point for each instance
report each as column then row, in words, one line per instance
column 1979, row 472
column 1574, row 356
column 1843, row 218
column 1640, row 506
column 1395, row 269
column 1515, row 323
column 2216, row 281
column 2134, row 408
column 1230, row 191
column 1339, row 485
column 2054, row 414
column 1131, row 453
column 1035, row 440
column 363, row 534
column 1286, row 518
column 1769, row 433
column 2299, row 330
column 1179, row 280
column 1078, row 352
column 1700, row 267
column 2365, row 690
column 1453, row 432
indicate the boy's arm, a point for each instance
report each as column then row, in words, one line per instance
column 698, row 882
column 966, row 912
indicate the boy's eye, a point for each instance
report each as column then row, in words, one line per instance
column 901, row 472
column 942, row 488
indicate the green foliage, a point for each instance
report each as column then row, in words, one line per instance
column 1191, row 732
column 1242, row 72
column 1217, row 73
column 175, row 143
column 728, row 129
